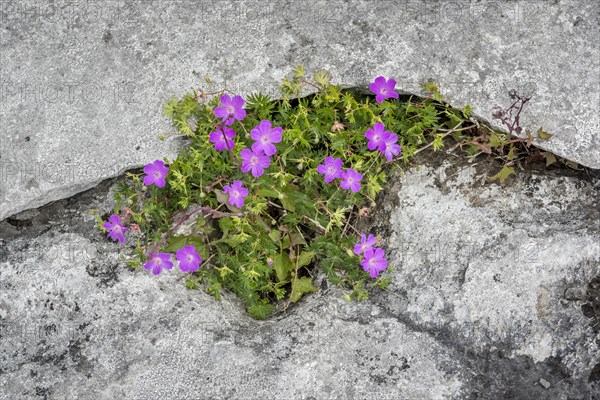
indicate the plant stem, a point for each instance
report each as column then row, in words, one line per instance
column 443, row 136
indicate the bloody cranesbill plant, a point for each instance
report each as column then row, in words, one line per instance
column 231, row 109
column 351, row 180
column 331, row 168
column 254, row 162
column 189, row 260
column 156, row 262
column 115, row 228
column 237, row 192
column 374, row 261
column 156, row 174
column 222, row 137
column 377, row 136
column 390, row 146
column 384, row 89
column 366, row 243
column 261, row 214
column 266, row 136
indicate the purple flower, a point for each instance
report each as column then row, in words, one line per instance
column 351, row 180
column 374, row 262
column 230, row 109
column 156, row 262
column 377, row 137
column 257, row 163
column 155, row 173
column 189, row 259
column 221, row 137
column 115, row 228
column 383, row 89
column 331, row 168
column 366, row 243
column 265, row 136
column 391, row 149
column 237, row 192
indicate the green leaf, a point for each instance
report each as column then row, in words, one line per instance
column 266, row 192
column 235, row 240
column 191, row 284
column 550, row 158
column 512, row 153
column 299, row 71
column 322, row 77
column 438, row 142
column 542, row 134
column 305, row 258
column 222, row 197
column 283, row 266
column 226, row 224
column 430, row 87
column 300, row 287
column 496, row 141
column 297, row 239
column 285, row 243
column 261, row 310
column 504, row 173
column 175, row 243
column 288, row 203
column 275, row 236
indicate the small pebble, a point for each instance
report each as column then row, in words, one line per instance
column 544, row 383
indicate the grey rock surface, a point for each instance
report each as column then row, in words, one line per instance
column 495, row 294
column 82, row 83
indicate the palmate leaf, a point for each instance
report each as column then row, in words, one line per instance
column 305, row 258
column 300, row 287
column 261, row 310
column 282, row 266
column 322, row 77
column 503, row 175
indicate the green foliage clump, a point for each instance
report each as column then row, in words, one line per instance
column 292, row 222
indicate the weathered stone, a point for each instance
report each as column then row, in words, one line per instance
column 545, row 383
column 473, row 311
column 575, row 293
column 82, row 83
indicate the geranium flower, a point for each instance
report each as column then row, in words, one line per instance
column 383, row 89
column 366, row 243
column 156, row 262
column 221, row 137
column 237, row 193
column 374, row 262
column 377, row 136
column 331, row 168
column 230, row 109
column 265, row 136
column 351, row 180
column 115, row 228
column 155, row 174
column 189, row 260
column 257, row 163
column 391, row 149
